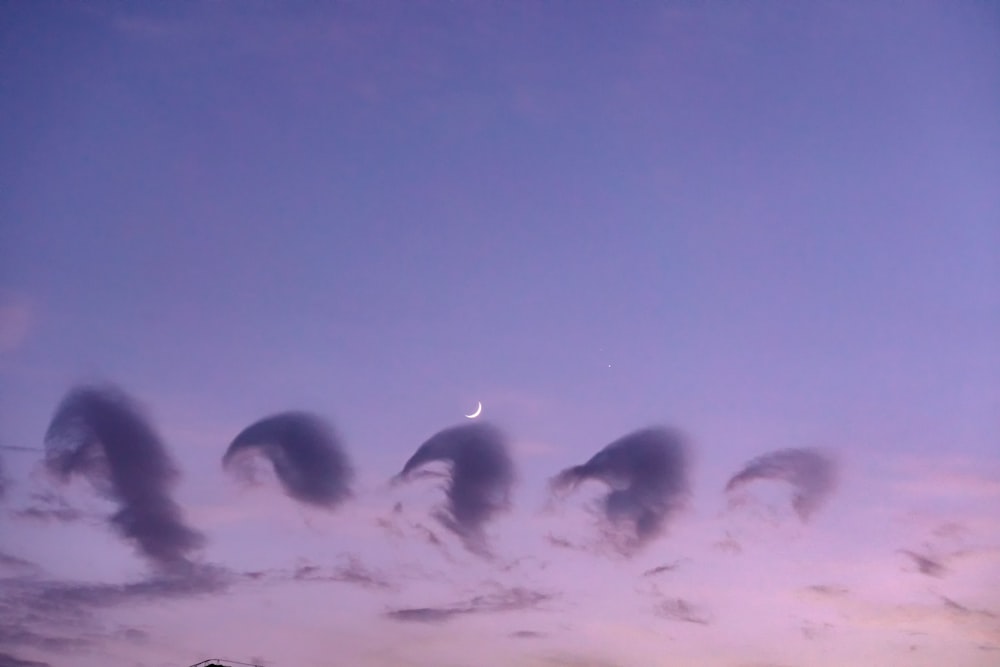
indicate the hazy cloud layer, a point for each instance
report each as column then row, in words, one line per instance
column 60, row 616
column 511, row 599
column 100, row 433
column 647, row 471
column 479, row 480
column 15, row 563
column 306, row 454
column 8, row 660
column 809, row 471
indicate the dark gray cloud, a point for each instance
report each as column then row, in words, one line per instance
column 306, row 454
column 8, row 660
column 809, row 471
column 647, row 471
column 478, row 483
column 100, row 433
column 932, row 567
column 510, row 599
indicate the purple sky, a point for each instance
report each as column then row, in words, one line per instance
column 764, row 226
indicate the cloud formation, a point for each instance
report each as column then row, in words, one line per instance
column 59, row 616
column 47, row 506
column 660, row 569
column 478, row 483
column 101, row 434
column 9, row 561
column 681, row 610
column 647, row 471
column 510, row 599
column 932, row 567
column 351, row 570
column 306, row 454
column 8, row 660
column 809, row 471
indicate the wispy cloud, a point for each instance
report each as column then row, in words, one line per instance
column 647, row 471
column 939, row 616
column 811, row 473
column 350, row 571
column 49, row 507
column 926, row 564
column 660, row 569
column 60, row 616
column 677, row 609
column 510, row 599
column 14, row 563
column 827, row 590
column 8, row 660
column 527, row 634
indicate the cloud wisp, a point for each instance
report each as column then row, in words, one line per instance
column 47, row 506
column 810, row 472
column 647, row 471
column 351, row 570
column 306, row 454
column 60, row 616
column 928, row 565
column 479, row 480
column 102, row 434
column 677, row 609
column 510, row 599
column 8, row 660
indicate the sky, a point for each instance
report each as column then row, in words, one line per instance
column 724, row 278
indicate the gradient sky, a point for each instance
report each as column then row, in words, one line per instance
column 767, row 225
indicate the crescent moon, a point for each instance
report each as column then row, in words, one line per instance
column 479, row 408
